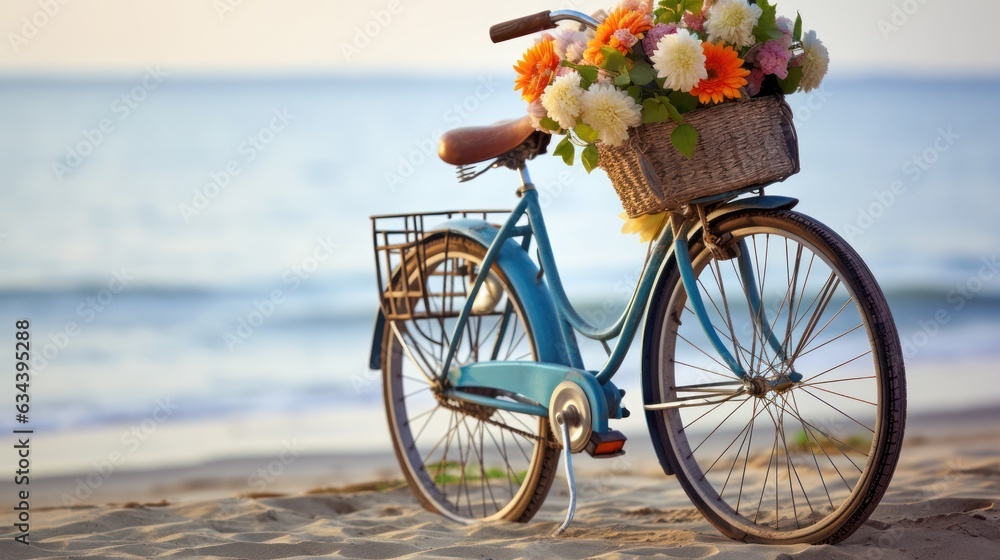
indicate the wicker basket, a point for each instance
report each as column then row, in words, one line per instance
column 741, row 144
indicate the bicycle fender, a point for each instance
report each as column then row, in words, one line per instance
column 523, row 276
column 765, row 202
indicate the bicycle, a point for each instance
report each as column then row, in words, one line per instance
column 767, row 347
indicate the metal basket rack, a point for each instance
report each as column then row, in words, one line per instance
column 401, row 259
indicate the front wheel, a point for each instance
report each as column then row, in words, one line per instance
column 803, row 448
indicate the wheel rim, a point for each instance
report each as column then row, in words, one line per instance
column 816, row 441
column 466, row 461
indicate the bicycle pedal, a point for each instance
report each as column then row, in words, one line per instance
column 606, row 445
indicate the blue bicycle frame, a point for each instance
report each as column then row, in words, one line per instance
column 556, row 322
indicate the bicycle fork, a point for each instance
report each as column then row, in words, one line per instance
column 682, row 254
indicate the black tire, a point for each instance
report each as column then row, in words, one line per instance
column 838, row 431
column 505, row 469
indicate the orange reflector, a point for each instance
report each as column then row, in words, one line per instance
column 609, row 447
column 607, row 444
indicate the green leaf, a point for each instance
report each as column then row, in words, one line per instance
column 654, row 112
column 623, row 80
column 636, row 93
column 642, row 74
column 587, row 72
column 675, row 115
column 586, row 133
column 566, row 150
column 685, row 139
column 613, row 60
column 548, row 123
column 767, row 26
column 790, row 84
column 671, row 11
column 589, row 157
column 694, row 6
column 684, row 102
column 797, row 31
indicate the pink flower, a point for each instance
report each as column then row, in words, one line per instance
column 695, row 22
column 626, row 38
column 635, row 5
column 654, row 35
column 754, row 81
column 773, row 58
column 537, row 112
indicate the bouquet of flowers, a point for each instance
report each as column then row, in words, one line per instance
column 646, row 65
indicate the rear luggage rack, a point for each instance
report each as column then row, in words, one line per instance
column 401, row 259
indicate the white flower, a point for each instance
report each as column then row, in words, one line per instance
column 786, row 25
column 562, row 99
column 815, row 61
column 680, row 59
column 733, row 21
column 574, row 52
column 610, row 112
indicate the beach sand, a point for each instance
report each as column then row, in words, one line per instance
column 942, row 504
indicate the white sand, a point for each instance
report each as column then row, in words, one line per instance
column 942, row 504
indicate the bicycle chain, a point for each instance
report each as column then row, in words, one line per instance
column 552, row 443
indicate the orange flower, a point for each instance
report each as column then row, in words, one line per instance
column 726, row 74
column 620, row 24
column 536, row 69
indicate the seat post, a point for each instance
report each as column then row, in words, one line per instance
column 526, row 184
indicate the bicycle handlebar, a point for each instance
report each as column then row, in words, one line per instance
column 521, row 26
column 537, row 22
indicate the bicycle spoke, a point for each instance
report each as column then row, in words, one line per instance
column 812, row 452
column 844, row 414
column 728, row 447
column 825, row 295
column 501, row 447
column 724, row 420
column 745, row 432
column 500, row 329
column 834, row 441
column 767, row 474
column 834, row 339
column 846, row 379
column 838, row 366
column 726, row 319
column 706, row 354
column 827, row 324
column 846, row 396
column 518, row 443
column 427, row 422
column 692, row 366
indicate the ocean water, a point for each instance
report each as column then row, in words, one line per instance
column 207, row 242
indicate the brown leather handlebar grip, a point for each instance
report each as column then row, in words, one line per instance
column 521, row 26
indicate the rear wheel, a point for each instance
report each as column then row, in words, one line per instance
column 776, row 458
column 468, row 462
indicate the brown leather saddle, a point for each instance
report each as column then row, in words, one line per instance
column 514, row 138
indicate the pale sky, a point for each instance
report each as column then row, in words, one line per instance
column 444, row 36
